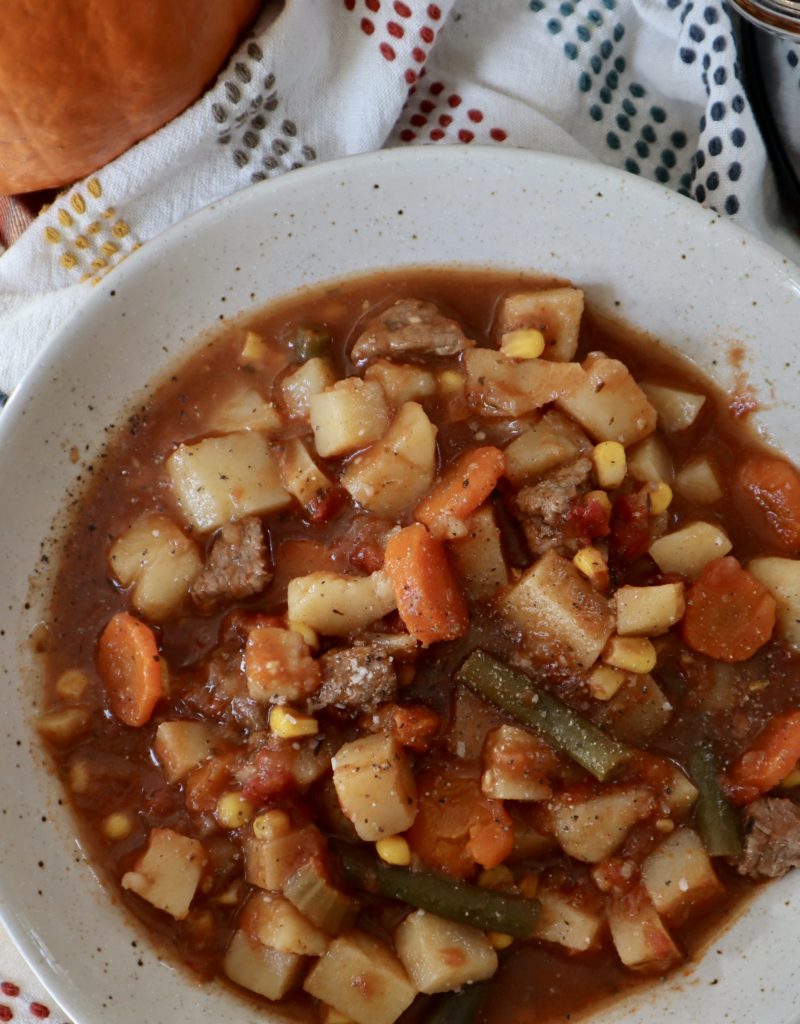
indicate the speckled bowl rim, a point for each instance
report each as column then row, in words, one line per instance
column 653, row 257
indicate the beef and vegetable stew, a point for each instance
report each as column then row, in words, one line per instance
column 426, row 649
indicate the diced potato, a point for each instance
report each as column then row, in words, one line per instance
column 441, row 956
column 260, row 968
column 497, row 386
column 349, row 415
column 400, row 382
column 471, row 722
column 245, row 409
column 478, row 556
column 680, row 793
column 563, row 920
column 278, row 665
column 159, row 561
column 649, row 611
column 226, row 478
column 168, row 872
column 63, row 726
column 640, row 938
column 554, row 440
column 375, row 786
column 181, row 746
column 677, row 409
column 556, row 312
column 688, row 550
column 638, row 710
column 553, row 603
column 273, row 921
column 300, row 475
column 781, row 577
column 336, row 605
column 360, row 977
column 394, row 473
column 517, row 765
column 298, row 388
column 271, row 860
column 697, row 482
column 608, row 403
column 649, row 462
column 591, row 828
column 678, row 875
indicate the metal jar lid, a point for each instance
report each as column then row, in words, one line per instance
column 782, row 17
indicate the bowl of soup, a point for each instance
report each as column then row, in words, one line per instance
column 402, row 606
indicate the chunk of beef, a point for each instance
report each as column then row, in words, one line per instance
column 410, row 327
column 543, row 508
column 223, row 693
column 359, row 677
column 236, row 566
column 771, row 838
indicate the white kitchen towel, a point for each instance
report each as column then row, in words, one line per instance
column 651, row 86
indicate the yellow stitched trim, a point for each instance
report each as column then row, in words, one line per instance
column 69, row 260
column 109, row 213
column 52, row 235
column 93, row 228
column 94, row 187
column 65, row 218
column 109, row 248
column 120, row 229
column 99, row 263
column 85, row 277
column 81, row 242
column 96, row 279
column 135, row 247
column 78, row 203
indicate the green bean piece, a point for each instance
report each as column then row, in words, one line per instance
column 460, row 1007
column 716, row 819
column 517, row 694
column 310, row 342
column 454, row 900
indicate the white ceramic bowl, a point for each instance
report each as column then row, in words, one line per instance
column 640, row 252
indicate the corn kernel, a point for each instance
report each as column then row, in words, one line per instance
column 499, row 877
column 394, row 850
column 450, row 382
column 117, row 826
column 233, row 810
column 272, row 824
column 255, row 349
column 230, row 897
column 665, row 825
column 529, row 885
column 590, row 563
column 498, row 940
column 601, row 498
column 289, row 724
column 308, row 634
column 527, row 343
column 72, row 684
column 631, row 654
column 79, row 777
column 605, row 681
column 792, row 779
column 610, row 464
column 659, row 497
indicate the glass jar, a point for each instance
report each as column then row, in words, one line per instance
column 781, row 17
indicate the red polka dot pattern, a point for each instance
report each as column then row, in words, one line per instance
column 458, row 123
column 17, row 1007
column 390, row 32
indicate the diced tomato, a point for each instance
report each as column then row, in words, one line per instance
column 206, row 784
column 327, row 505
column 367, row 557
column 270, row 774
column 589, row 519
column 630, row 526
column 415, row 726
column 457, row 828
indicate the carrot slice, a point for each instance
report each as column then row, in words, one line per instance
column 774, row 753
column 729, row 614
column 461, row 491
column 130, row 666
column 428, row 597
column 768, row 494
